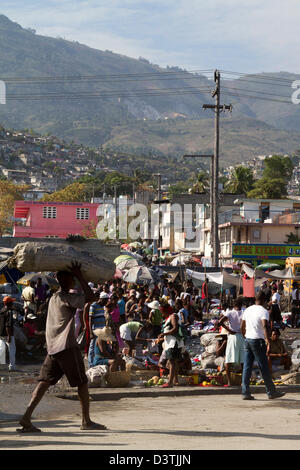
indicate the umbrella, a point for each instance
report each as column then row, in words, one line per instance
column 46, row 279
column 118, row 274
column 127, row 264
column 135, row 244
column 121, row 258
column 131, row 254
column 269, row 266
column 139, row 275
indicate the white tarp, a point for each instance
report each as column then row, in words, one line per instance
column 277, row 274
column 222, row 278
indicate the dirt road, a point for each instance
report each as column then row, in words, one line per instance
column 205, row 422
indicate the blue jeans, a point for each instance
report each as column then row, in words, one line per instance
column 91, row 353
column 256, row 349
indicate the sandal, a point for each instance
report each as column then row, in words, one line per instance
column 29, row 429
column 93, row 427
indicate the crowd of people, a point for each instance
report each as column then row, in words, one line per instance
column 114, row 320
column 141, row 315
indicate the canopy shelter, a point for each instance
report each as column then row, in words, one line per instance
column 223, row 279
column 46, row 279
column 141, row 275
column 278, row 274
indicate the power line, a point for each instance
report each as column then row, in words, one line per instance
column 256, row 91
column 157, row 75
column 259, row 76
column 257, row 82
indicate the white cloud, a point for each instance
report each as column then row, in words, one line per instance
column 248, row 35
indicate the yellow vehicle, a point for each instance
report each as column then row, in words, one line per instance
column 294, row 263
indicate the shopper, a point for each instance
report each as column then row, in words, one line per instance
column 255, row 329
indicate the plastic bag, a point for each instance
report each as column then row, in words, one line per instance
column 97, row 376
column 81, row 340
column 2, row 351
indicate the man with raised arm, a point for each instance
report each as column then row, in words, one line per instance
column 64, row 356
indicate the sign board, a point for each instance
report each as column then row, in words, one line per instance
column 254, row 252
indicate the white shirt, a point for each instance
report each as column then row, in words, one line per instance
column 276, row 298
column 253, row 317
column 235, row 319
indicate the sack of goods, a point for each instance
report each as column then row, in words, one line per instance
column 53, row 257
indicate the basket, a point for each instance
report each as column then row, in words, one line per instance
column 120, row 378
column 236, row 379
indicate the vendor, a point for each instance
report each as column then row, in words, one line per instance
column 173, row 344
column 107, row 350
column 128, row 332
column 276, row 352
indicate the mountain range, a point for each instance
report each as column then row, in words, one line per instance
column 101, row 98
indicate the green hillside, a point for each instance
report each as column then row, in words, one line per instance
column 128, row 104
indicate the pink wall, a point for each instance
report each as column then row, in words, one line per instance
column 65, row 222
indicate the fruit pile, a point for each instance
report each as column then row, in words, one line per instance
column 154, row 381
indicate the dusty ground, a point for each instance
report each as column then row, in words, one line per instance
column 203, row 422
column 208, row 422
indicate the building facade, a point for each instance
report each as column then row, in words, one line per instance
column 40, row 219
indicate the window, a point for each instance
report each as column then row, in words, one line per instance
column 256, row 234
column 82, row 213
column 49, row 212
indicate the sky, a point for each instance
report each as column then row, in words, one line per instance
column 246, row 36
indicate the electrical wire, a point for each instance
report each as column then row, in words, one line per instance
column 149, row 92
column 131, row 76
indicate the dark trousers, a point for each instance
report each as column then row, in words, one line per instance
column 256, row 350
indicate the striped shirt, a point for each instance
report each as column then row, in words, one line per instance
column 96, row 315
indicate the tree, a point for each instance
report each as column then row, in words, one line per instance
column 292, row 238
column 181, row 187
column 75, row 192
column 201, row 184
column 123, row 183
column 9, row 193
column 273, row 184
column 240, row 181
column 278, row 166
column 267, row 188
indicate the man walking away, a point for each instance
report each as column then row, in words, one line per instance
column 7, row 330
column 255, row 330
column 64, row 356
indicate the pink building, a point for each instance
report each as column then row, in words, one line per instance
column 38, row 219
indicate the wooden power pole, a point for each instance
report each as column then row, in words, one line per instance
column 217, row 108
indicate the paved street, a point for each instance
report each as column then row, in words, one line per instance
column 201, row 422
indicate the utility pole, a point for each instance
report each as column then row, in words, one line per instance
column 156, row 243
column 217, row 108
column 211, row 186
